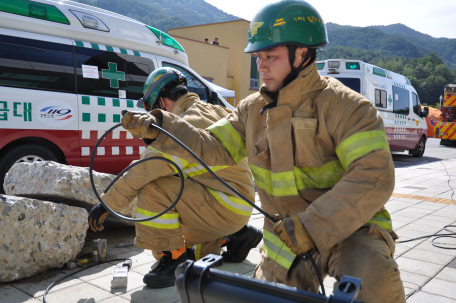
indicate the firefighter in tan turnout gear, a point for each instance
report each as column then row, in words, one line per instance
column 319, row 156
column 206, row 211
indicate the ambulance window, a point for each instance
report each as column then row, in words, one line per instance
column 111, row 72
column 137, row 74
column 353, row 83
column 33, row 67
column 401, row 101
column 380, row 98
column 194, row 85
column 416, row 104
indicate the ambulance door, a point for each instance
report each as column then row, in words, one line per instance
column 419, row 125
column 37, row 100
column 401, row 109
column 109, row 80
column 381, row 92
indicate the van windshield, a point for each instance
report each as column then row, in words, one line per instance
column 353, row 83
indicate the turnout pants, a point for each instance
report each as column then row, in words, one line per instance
column 197, row 220
column 366, row 254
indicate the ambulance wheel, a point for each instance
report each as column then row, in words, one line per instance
column 419, row 151
column 29, row 153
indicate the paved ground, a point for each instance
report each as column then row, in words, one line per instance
column 429, row 273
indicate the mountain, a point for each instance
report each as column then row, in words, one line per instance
column 392, row 40
column 165, row 14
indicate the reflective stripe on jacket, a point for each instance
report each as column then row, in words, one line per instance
column 321, row 153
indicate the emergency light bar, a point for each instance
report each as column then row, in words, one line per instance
column 90, row 21
column 33, row 10
column 334, row 64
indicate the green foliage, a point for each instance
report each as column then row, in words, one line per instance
column 164, row 14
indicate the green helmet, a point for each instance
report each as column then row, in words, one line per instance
column 287, row 22
column 158, row 82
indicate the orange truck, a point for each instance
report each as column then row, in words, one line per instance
column 445, row 129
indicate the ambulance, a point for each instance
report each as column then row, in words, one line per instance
column 67, row 70
column 392, row 94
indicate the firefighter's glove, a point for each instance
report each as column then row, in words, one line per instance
column 97, row 217
column 293, row 233
column 139, row 124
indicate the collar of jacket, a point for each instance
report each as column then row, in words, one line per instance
column 184, row 102
column 308, row 81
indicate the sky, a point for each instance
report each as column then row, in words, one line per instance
column 436, row 18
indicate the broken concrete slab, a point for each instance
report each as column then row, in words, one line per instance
column 38, row 235
column 52, row 181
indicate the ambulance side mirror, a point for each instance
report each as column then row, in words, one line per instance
column 425, row 112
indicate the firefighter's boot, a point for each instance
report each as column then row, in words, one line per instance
column 163, row 275
column 239, row 244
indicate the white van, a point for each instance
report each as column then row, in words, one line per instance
column 392, row 94
column 67, row 70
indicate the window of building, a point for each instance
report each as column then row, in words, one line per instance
column 416, row 104
column 380, row 98
column 401, row 101
column 353, row 83
column 254, row 74
column 33, row 64
column 193, row 84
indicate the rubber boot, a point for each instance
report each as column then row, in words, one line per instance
column 163, row 275
column 240, row 244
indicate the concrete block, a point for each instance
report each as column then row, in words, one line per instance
column 95, row 272
column 418, row 267
column 36, row 286
column 413, row 280
column 441, row 288
column 10, row 294
column 136, row 257
column 150, row 295
column 424, row 228
column 447, row 274
column 135, row 281
column 424, row 297
column 428, row 256
column 238, row 268
column 409, row 233
column 427, row 245
column 446, row 220
column 82, row 292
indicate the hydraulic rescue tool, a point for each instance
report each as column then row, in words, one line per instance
column 195, row 277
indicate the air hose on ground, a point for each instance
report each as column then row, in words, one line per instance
column 305, row 256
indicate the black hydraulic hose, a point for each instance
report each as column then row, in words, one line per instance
column 73, row 273
column 181, row 175
column 307, row 255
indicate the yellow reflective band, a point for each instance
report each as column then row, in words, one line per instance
column 234, row 204
column 325, row 176
column 166, row 221
column 277, row 250
column 179, row 162
column 361, row 144
column 194, row 169
column 231, row 140
column 275, row 184
column 383, row 219
column 197, row 249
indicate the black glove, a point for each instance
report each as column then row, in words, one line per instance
column 97, row 216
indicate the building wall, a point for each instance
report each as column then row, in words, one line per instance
column 234, row 35
column 209, row 61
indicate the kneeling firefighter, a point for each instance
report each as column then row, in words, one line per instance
column 206, row 212
column 319, row 155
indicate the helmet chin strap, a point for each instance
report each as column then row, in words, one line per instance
column 311, row 53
